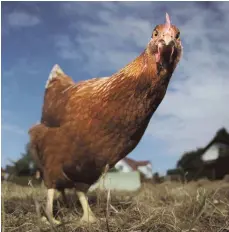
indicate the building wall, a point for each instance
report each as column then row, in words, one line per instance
column 215, row 151
column 212, row 153
column 146, row 170
column 122, row 166
column 119, row 181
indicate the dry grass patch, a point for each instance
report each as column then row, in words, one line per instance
column 199, row 206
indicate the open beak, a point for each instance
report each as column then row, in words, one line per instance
column 166, row 49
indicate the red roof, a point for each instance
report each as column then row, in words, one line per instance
column 135, row 164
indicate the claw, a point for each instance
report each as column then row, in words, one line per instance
column 54, row 221
column 88, row 219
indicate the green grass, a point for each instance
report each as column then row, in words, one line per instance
column 199, row 206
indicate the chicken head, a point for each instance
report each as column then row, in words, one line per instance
column 165, row 44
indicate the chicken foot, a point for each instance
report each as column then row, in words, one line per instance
column 49, row 208
column 88, row 215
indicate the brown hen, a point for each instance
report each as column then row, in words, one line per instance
column 92, row 124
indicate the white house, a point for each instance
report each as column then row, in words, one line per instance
column 130, row 165
column 215, row 151
column 128, row 181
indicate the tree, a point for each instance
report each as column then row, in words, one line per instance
column 25, row 165
column 190, row 160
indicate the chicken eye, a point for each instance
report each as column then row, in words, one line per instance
column 155, row 33
column 177, row 35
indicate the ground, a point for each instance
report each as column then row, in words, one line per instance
column 198, row 206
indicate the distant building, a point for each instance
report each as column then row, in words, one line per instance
column 121, row 181
column 215, row 160
column 215, row 151
column 130, row 165
column 210, row 162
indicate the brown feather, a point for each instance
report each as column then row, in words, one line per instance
column 97, row 122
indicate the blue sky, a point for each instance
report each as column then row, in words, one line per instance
column 98, row 38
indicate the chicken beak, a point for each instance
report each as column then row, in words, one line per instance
column 167, row 39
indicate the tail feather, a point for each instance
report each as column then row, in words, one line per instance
column 56, row 70
column 55, row 97
column 58, row 73
column 37, row 133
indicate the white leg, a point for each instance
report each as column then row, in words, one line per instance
column 49, row 206
column 64, row 197
column 88, row 215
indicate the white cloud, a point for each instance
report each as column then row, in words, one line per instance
column 66, row 47
column 197, row 107
column 22, row 19
column 12, row 128
column 8, row 123
column 11, row 84
column 110, row 41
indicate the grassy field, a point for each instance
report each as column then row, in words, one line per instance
column 201, row 206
